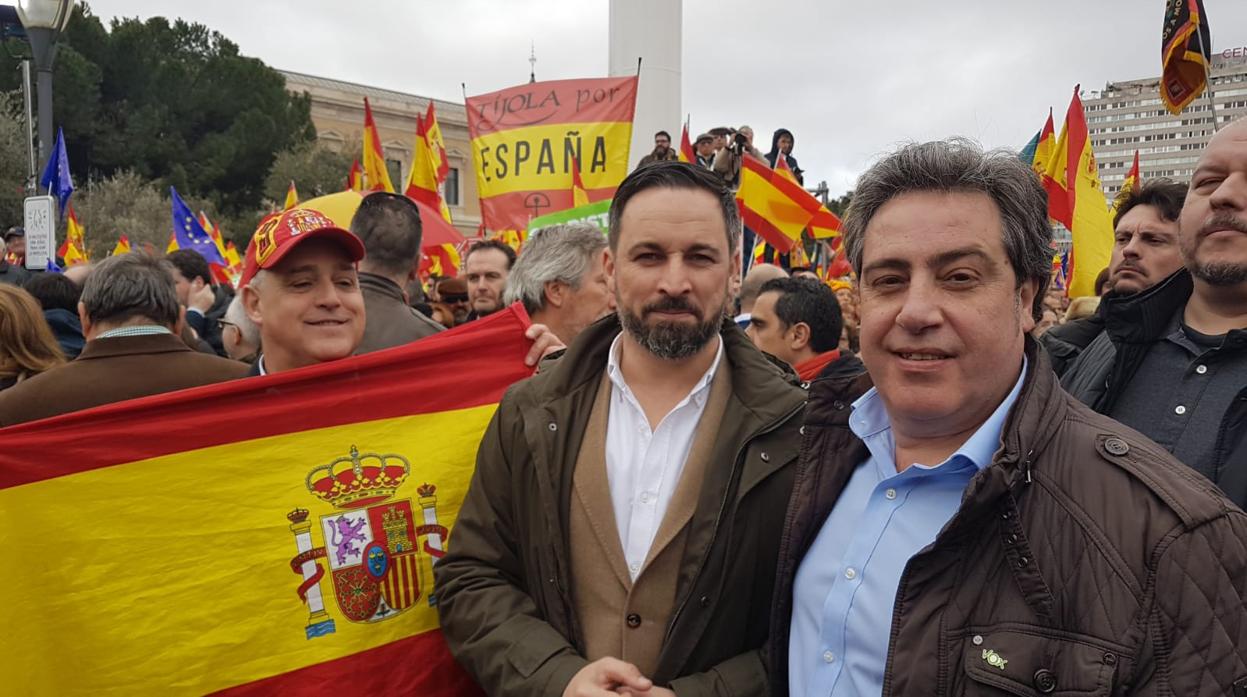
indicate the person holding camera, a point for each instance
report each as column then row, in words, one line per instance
column 727, row 161
column 662, row 150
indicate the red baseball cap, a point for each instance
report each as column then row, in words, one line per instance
column 281, row 232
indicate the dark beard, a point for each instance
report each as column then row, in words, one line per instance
column 671, row 341
column 1219, row 273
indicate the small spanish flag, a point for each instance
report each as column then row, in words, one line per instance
column 686, row 147
column 292, row 197
column 122, row 247
column 1185, row 53
column 580, row 196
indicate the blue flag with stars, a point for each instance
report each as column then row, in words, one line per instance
column 52, row 267
column 190, row 234
column 56, row 177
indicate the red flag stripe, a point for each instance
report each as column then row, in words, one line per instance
column 340, row 392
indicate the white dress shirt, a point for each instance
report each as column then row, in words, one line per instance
column 643, row 466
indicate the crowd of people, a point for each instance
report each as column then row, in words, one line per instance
column 937, row 477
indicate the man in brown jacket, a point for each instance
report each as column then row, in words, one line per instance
column 965, row 527
column 620, row 530
column 389, row 226
column 131, row 318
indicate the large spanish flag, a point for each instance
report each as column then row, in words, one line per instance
column 524, row 140
column 268, row 536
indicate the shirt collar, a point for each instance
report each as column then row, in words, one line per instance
column 135, row 330
column 259, row 364
column 700, row 391
column 869, row 422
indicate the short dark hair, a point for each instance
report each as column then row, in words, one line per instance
column 806, row 300
column 389, row 226
column 54, row 291
column 190, row 264
column 672, row 174
column 492, row 244
column 1165, row 195
column 132, row 285
column 958, row 165
column 663, row 133
column 720, row 131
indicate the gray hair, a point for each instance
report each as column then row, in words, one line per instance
column 958, row 165
column 236, row 315
column 131, row 285
column 556, row 253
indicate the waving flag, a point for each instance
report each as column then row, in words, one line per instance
column 292, row 197
column 437, row 145
column 687, row 154
column 422, row 181
column 189, row 234
column 74, row 249
column 1085, row 208
column 355, row 178
column 1185, row 53
column 56, row 177
column 267, row 536
column 122, row 246
column 376, row 174
column 524, row 140
column 1130, row 185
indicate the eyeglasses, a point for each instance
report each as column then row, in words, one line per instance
column 222, row 324
column 456, row 298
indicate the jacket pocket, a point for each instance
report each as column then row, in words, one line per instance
column 1036, row 662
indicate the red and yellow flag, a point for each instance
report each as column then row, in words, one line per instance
column 580, row 196
column 437, row 145
column 1085, row 210
column 440, row 260
column 376, row 175
column 292, row 197
column 771, row 204
column 422, row 181
column 122, row 246
column 1045, row 147
column 285, row 550
column 687, row 154
column 1185, row 53
column 355, row 178
column 1129, row 185
column 74, row 249
column 525, row 138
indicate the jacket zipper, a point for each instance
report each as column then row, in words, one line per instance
column 714, row 534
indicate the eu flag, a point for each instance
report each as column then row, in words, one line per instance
column 190, row 234
column 56, row 177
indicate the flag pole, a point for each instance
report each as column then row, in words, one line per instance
column 1212, row 104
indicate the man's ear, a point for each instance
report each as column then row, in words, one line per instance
column 800, row 336
column 555, row 293
column 251, row 304
column 1026, row 297
column 84, row 320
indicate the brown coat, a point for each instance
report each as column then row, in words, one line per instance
column 505, row 592
column 390, row 321
column 619, row 616
column 112, row 370
column 1084, row 555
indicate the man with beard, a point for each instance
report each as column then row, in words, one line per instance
column 1145, row 252
column 1173, row 360
column 620, row 530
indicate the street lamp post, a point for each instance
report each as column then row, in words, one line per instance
column 44, row 20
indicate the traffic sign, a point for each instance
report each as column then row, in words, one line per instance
column 40, row 231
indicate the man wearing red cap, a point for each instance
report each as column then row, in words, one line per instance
column 300, row 286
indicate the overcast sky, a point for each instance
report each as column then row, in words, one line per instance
column 850, row 79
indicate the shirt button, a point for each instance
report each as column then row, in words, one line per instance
column 634, row 568
column 644, row 498
column 1179, row 410
column 634, row 620
column 850, row 573
column 1201, row 369
column 890, row 494
column 829, row 657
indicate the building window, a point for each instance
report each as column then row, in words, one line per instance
column 395, row 168
column 450, row 190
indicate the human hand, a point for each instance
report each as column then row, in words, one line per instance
column 654, row 691
column 605, row 677
column 544, row 344
column 201, row 299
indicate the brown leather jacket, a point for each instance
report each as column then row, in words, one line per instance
column 1085, row 555
column 503, row 589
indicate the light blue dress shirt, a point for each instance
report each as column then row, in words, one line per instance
column 846, row 585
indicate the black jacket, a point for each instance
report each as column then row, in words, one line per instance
column 1065, row 342
column 1133, row 324
column 773, row 155
column 11, row 273
column 207, row 325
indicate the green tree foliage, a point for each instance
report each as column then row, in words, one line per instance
column 13, row 160
column 315, row 169
column 173, row 102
